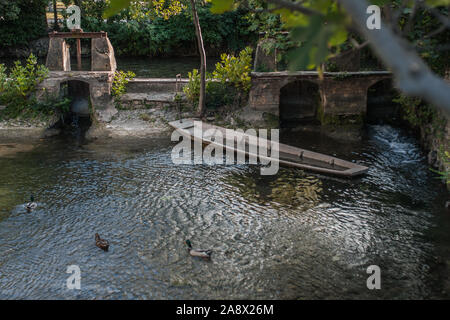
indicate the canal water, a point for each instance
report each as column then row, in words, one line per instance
column 143, row 67
column 294, row 235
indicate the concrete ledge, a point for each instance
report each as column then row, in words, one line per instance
column 316, row 74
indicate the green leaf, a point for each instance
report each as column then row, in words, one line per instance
column 338, row 37
column 115, row 7
column 220, row 6
column 380, row 2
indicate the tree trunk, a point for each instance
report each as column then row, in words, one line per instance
column 201, row 48
column 55, row 15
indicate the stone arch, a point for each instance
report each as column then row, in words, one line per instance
column 299, row 101
column 380, row 106
column 79, row 93
column 99, row 90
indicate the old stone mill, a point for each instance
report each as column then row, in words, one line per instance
column 331, row 98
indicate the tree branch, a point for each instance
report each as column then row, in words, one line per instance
column 412, row 75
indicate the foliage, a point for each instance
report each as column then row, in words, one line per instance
column 120, row 81
column 17, row 92
column 9, row 10
column 230, row 78
column 21, row 21
column 218, row 94
column 235, row 70
column 162, row 28
column 444, row 175
column 132, row 35
column 22, row 82
column 192, row 89
column 420, row 114
column 318, row 36
column 162, row 8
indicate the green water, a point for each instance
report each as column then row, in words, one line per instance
column 295, row 235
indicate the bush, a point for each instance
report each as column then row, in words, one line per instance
column 22, row 21
column 226, row 84
column 18, row 89
column 235, row 70
column 160, row 37
column 120, row 81
column 192, row 89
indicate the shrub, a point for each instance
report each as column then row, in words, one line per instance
column 192, row 89
column 226, row 84
column 156, row 36
column 17, row 89
column 235, row 70
column 120, row 81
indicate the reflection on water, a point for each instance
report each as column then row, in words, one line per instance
column 144, row 67
column 164, row 67
column 289, row 236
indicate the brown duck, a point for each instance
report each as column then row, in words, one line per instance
column 101, row 243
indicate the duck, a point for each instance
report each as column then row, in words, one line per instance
column 205, row 254
column 30, row 206
column 101, row 243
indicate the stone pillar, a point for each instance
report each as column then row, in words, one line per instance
column 265, row 62
column 58, row 57
column 102, row 55
column 343, row 101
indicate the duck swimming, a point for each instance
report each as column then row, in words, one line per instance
column 205, row 254
column 30, row 206
column 101, row 243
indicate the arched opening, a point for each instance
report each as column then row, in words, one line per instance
column 299, row 102
column 77, row 119
column 380, row 107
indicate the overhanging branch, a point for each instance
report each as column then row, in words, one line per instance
column 412, row 76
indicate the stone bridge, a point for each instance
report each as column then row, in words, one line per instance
column 302, row 94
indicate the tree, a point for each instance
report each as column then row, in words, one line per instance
column 9, row 10
column 201, row 48
column 55, row 16
column 167, row 8
column 323, row 25
column 21, row 21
